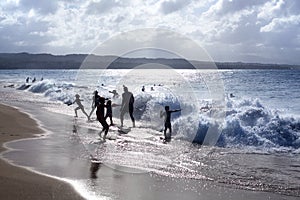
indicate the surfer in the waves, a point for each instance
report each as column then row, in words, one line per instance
column 168, row 125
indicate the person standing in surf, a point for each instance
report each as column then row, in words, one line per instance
column 109, row 106
column 101, row 118
column 95, row 102
column 80, row 106
column 127, row 105
column 168, row 125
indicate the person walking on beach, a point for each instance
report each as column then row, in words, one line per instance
column 167, row 116
column 101, row 118
column 80, row 106
column 95, row 103
column 127, row 105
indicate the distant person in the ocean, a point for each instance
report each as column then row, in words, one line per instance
column 42, row 79
column 109, row 106
column 152, row 89
column 33, row 80
column 167, row 116
column 95, row 103
column 231, row 95
column 143, row 89
column 27, row 80
column 115, row 93
column 80, row 106
column 127, row 105
column 101, row 118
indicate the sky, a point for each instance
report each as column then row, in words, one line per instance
column 265, row 31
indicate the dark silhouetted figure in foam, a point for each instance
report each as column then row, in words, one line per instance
column 127, row 105
column 101, row 118
column 79, row 106
column 95, row 103
column 143, row 89
column 167, row 115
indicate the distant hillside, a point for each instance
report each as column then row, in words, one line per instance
column 74, row 61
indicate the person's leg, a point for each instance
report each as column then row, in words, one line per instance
column 170, row 128
column 92, row 111
column 131, row 116
column 82, row 109
column 76, row 111
column 111, row 121
column 122, row 117
column 165, row 131
column 106, row 128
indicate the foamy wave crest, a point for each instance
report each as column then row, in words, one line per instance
column 53, row 90
column 250, row 124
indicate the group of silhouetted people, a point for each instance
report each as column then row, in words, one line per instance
column 127, row 106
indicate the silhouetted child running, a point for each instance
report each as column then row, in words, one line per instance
column 167, row 115
column 101, row 118
column 80, row 106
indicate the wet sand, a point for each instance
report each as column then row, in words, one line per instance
column 19, row 183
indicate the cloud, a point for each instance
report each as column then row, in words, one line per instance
column 170, row 6
column 229, row 29
column 101, row 7
column 43, row 7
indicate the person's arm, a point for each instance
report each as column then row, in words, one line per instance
column 175, row 110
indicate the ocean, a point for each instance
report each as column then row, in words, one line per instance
column 237, row 129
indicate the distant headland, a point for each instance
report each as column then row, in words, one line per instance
column 74, row 61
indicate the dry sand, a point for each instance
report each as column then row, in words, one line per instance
column 19, row 183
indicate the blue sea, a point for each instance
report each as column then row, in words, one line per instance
column 237, row 128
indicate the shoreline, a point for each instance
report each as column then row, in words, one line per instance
column 21, row 183
column 113, row 183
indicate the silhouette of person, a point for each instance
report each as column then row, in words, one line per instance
column 115, row 93
column 27, row 80
column 167, row 115
column 95, row 103
column 80, row 106
column 143, row 89
column 33, row 80
column 109, row 106
column 127, row 105
column 231, row 95
column 101, row 118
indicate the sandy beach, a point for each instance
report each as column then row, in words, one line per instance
column 18, row 183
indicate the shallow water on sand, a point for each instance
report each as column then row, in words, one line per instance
column 258, row 150
column 195, row 173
